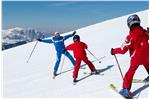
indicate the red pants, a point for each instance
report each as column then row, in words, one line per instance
column 77, row 66
column 130, row 73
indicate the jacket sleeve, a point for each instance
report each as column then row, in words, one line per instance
column 128, row 38
column 85, row 45
column 68, row 36
column 69, row 47
column 47, row 41
column 121, row 50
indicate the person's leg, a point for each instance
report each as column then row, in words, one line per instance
column 76, row 68
column 147, row 67
column 58, row 59
column 127, row 81
column 70, row 57
column 91, row 66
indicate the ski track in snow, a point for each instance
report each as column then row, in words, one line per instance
column 34, row 79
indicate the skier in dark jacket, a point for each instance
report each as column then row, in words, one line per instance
column 58, row 42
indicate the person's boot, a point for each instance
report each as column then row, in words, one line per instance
column 94, row 72
column 54, row 74
column 75, row 81
column 126, row 93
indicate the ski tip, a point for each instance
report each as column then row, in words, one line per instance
column 84, row 73
column 112, row 86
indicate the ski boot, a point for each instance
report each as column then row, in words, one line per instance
column 95, row 72
column 75, row 81
column 126, row 93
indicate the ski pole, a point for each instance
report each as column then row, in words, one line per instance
column 62, row 63
column 118, row 66
column 94, row 56
column 32, row 51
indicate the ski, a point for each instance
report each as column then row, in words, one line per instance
column 139, row 81
column 113, row 87
column 146, row 80
column 86, row 76
column 86, row 73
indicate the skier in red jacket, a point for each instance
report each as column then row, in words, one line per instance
column 78, row 49
column 137, row 44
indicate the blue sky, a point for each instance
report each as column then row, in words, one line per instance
column 50, row 16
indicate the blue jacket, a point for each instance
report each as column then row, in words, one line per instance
column 58, row 42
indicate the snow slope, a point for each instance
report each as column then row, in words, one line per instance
column 33, row 79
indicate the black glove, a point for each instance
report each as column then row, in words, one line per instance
column 148, row 29
column 74, row 32
column 111, row 51
column 39, row 39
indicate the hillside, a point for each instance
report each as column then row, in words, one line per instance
column 34, row 79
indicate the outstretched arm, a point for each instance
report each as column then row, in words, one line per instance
column 85, row 46
column 121, row 50
column 69, row 47
column 70, row 35
column 47, row 41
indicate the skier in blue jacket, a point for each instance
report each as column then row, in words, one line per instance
column 58, row 42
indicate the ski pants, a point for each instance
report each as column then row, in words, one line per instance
column 58, row 59
column 77, row 66
column 127, row 82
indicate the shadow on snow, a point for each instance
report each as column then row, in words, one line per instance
column 99, row 72
column 81, row 67
column 139, row 90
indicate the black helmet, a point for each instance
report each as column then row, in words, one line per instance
column 133, row 19
column 76, row 38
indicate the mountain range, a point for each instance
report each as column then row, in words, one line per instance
column 18, row 36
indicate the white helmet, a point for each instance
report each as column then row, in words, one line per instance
column 56, row 33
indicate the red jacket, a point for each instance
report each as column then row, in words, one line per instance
column 138, row 46
column 78, row 49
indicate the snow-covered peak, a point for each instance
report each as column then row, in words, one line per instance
column 11, row 30
column 17, row 35
column 16, row 28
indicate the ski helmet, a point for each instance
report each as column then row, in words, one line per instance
column 56, row 34
column 76, row 38
column 132, row 20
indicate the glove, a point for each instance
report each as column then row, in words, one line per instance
column 148, row 29
column 112, row 51
column 74, row 32
column 39, row 39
